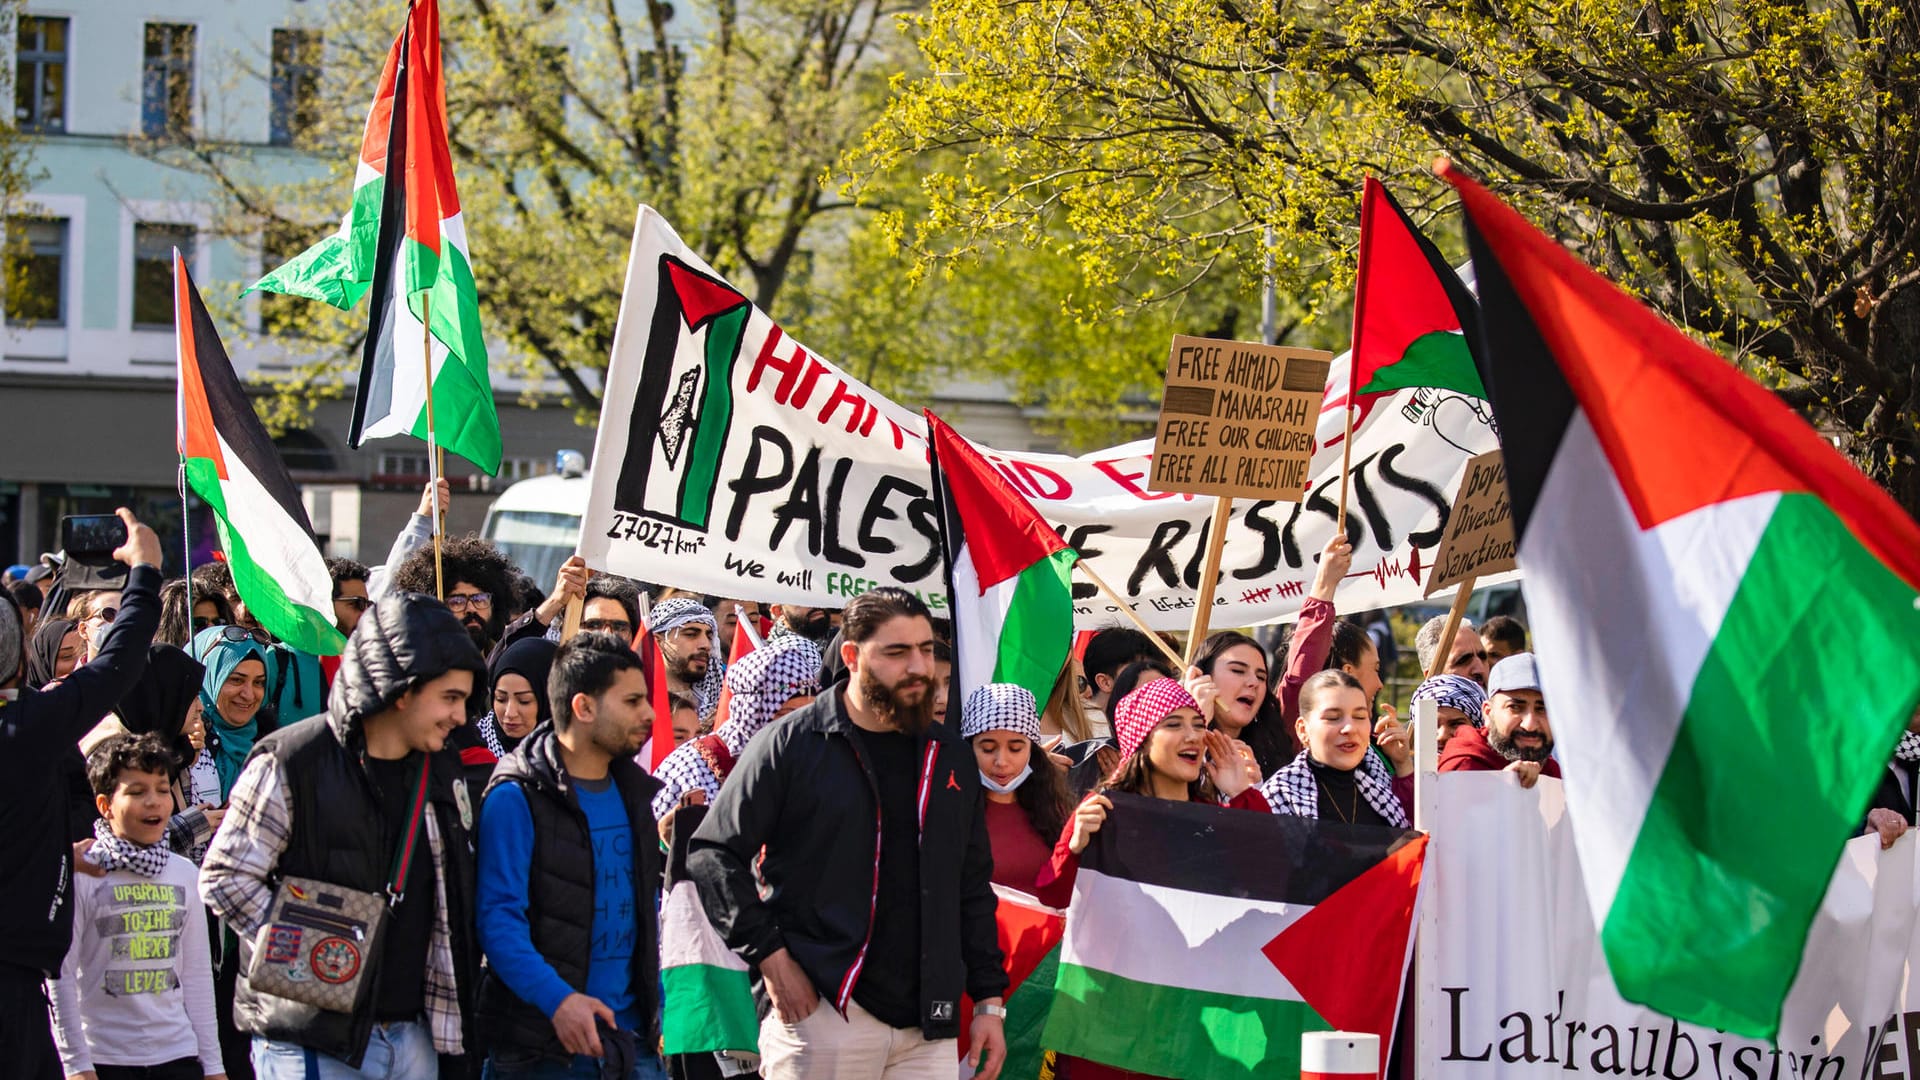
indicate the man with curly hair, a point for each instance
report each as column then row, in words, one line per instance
column 479, row 584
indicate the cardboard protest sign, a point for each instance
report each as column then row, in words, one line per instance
column 733, row 460
column 1237, row 419
column 1479, row 538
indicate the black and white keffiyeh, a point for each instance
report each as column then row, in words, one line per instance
column 1909, row 749
column 489, row 728
column 759, row 684
column 1292, row 790
column 110, row 852
column 1001, row 707
column 670, row 615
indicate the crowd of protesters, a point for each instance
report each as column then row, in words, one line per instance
column 182, row 789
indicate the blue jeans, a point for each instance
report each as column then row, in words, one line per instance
column 647, row 1067
column 395, row 1051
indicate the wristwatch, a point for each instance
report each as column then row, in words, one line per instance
column 987, row 1009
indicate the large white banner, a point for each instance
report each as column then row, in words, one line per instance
column 732, row 460
column 1519, row 986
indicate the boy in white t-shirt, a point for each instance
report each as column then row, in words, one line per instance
column 135, row 995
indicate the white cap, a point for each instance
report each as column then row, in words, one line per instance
column 1516, row 672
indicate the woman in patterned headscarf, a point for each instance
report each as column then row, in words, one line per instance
column 763, row 686
column 1459, row 700
column 1026, row 792
column 1167, row 753
column 231, row 693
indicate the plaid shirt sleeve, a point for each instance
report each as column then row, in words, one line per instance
column 235, row 879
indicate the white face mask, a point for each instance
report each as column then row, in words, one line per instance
column 1007, row 788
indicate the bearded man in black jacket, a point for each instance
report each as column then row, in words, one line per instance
column 890, row 933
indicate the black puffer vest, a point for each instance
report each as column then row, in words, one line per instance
column 560, row 893
column 341, row 836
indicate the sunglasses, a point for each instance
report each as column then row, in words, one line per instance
column 201, row 622
column 230, row 632
column 458, row 602
column 618, row 626
column 1466, row 656
column 357, row 603
column 106, row 614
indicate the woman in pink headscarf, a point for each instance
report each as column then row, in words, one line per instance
column 1167, row 753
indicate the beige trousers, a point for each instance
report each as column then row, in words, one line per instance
column 858, row 1047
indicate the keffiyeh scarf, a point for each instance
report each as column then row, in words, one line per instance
column 1001, row 707
column 1292, row 790
column 1137, row 714
column 670, row 615
column 110, row 852
column 759, row 683
column 488, row 727
column 1909, row 749
column 1456, row 692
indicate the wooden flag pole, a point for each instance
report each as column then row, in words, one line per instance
column 433, row 443
column 1346, row 457
column 1454, row 614
column 570, row 623
column 1132, row 615
column 1209, row 577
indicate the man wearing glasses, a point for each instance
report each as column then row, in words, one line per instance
column 610, row 605
column 479, row 583
column 350, row 597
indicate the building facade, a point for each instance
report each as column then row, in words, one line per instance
column 87, row 364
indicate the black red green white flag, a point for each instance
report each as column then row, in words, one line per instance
column 1727, row 613
column 422, row 274
column 1411, row 312
column 1202, row 941
column 232, row 464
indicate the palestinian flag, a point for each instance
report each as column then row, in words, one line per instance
column 1202, row 941
column 338, row 269
column 744, row 642
column 1030, row 934
column 1728, row 618
column 1009, row 573
column 230, row 463
column 654, row 663
column 1409, row 307
column 421, row 270
column 708, row 1005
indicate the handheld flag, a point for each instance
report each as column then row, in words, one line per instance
column 1009, row 572
column 422, row 275
column 654, row 663
column 1202, row 941
column 1029, row 934
column 1412, row 316
column 232, row 464
column 744, row 642
column 708, row 1000
column 339, row 269
column 1685, row 536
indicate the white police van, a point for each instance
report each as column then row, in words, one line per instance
column 537, row 522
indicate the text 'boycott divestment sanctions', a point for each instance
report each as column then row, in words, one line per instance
column 1238, row 419
column 1479, row 539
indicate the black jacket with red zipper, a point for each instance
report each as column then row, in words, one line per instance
column 805, row 791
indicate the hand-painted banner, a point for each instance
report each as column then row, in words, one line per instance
column 1527, row 992
column 732, row 460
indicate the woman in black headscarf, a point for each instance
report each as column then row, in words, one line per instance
column 517, row 694
column 53, row 653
